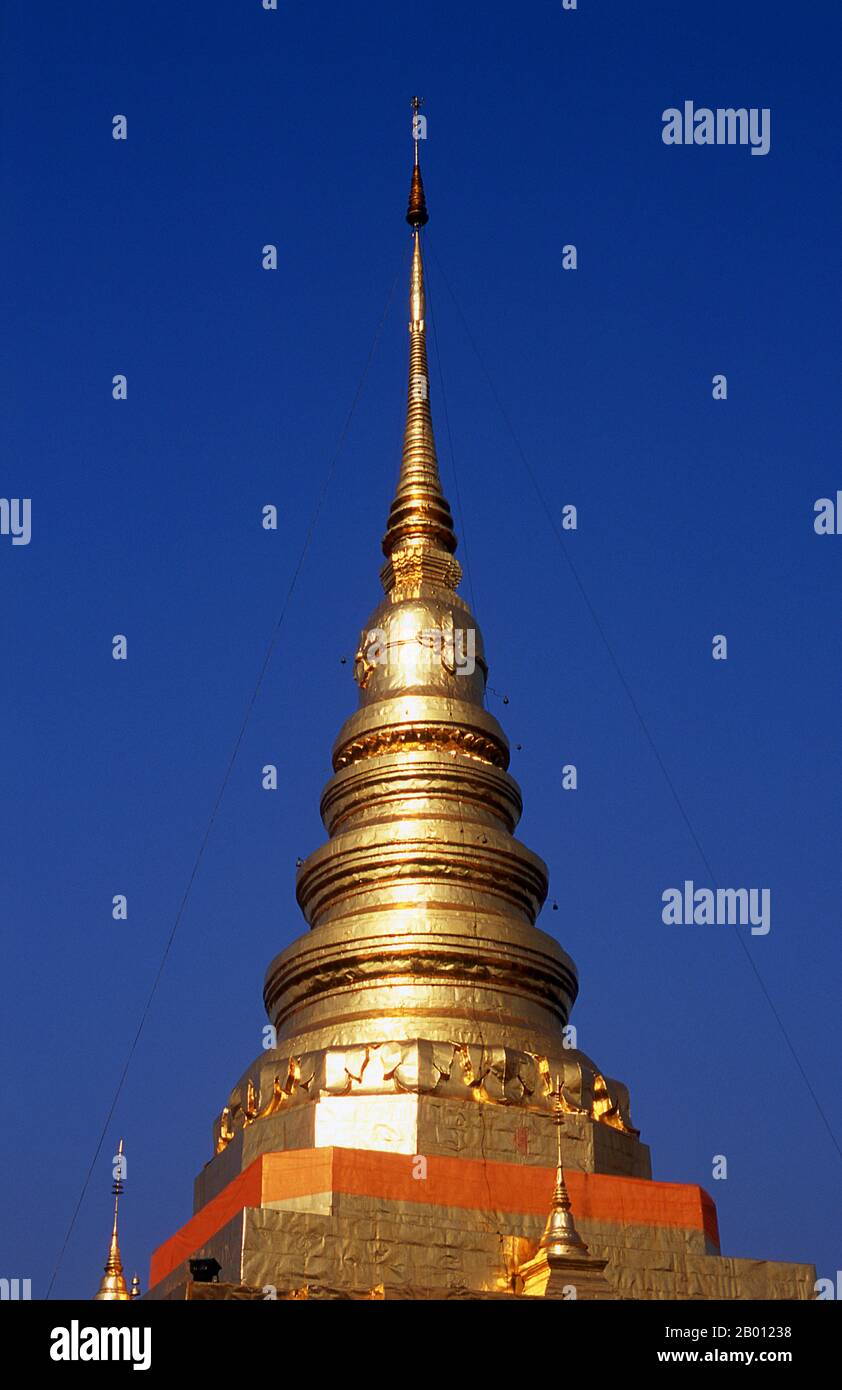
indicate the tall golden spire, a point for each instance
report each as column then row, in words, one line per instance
column 424, row 1002
column 421, row 904
column 113, row 1286
column 420, row 524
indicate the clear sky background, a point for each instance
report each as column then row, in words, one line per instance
column 695, row 518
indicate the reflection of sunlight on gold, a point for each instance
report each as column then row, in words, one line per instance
column 368, row 1122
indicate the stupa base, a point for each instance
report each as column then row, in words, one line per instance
column 360, row 1223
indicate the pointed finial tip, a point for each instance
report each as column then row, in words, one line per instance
column 416, row 213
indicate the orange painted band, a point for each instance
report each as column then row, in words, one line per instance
column 450, row 1182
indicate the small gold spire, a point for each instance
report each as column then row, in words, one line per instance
column 112, row 1286
column 420, row 519
column 560, row 1237
column 135, row 1293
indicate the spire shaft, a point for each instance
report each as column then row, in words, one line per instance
column 420, row 519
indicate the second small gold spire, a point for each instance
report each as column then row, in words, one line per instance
column 112, row 1286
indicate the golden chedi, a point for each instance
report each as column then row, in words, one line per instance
column 422, row 905
column 397, row 1139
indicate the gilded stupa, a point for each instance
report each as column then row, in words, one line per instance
column 398, row 1140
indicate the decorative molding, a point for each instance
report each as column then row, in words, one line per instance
column 461, row 1071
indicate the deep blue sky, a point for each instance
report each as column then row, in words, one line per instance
column 247, row 127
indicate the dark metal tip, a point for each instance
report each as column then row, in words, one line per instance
column 416, row 213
